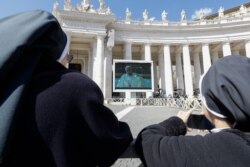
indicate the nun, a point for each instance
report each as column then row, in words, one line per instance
column 50, row 116
column 225, row 91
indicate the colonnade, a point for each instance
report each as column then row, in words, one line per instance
column 190, row 61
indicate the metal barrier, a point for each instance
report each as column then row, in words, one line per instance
column 184, row 103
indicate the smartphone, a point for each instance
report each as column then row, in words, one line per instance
column 199, row 122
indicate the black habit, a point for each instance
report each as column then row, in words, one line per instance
column 50, row 116
column 165, row 145
column 225, row 93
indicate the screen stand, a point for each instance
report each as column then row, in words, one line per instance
column 130, row 97
column 149, row 94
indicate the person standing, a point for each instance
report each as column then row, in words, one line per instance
column 225, row 97
column 130, row 79
column 49, row 115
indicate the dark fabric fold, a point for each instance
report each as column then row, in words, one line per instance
column 25, row 38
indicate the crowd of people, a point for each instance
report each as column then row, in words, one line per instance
column 53, row 116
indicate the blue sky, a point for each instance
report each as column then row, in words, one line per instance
column 154, row 7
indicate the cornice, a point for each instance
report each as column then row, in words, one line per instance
column 177, row 27
column 83, row 22
column 122, row 25
column 175, row 34
column 183, row 40
column 156, row 32
column 85, row 17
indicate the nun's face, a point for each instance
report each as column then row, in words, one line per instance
column 128, row 70
column 206, row 113
column 64, row 61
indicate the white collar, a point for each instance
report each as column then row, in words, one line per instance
column 216, row 130
column 65, row 50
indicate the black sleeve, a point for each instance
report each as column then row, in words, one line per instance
column 77, row 127
column 158, row 144
column 165, row 144
column 112, row 136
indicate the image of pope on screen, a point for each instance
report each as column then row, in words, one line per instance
column 130, row 79
column 133, row 76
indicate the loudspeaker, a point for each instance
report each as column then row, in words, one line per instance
column 111, row 38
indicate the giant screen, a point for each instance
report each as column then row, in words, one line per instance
column 131, row 75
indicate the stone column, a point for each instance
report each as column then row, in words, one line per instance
column 168, row 72
column 215, row 56
column 197, row 69
column 128, row 51
column 147, row 48
column 98, row 62
column 179, row 72
column 226, row 49
column 107, row 76
column 155, row 75
column 161, row 71
column 206, row 57
column 92, row 54
column 247, row 47
column 86, row 64
column 187, row 71
column 236, row 52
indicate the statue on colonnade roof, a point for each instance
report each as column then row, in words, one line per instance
column 183, row 15
column 164, row 16
column 102, row 5
column 221, row 12
column 202, row 15
column 128, row 14
column 108, row 11
column 145, row 14
column 67, row 5
column 91, row 9
column 243, row 9
column 84, row 5
column 55, row 6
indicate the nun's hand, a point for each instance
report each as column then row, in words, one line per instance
column 184, row 115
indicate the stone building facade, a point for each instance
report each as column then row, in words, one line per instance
column 181, row 51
